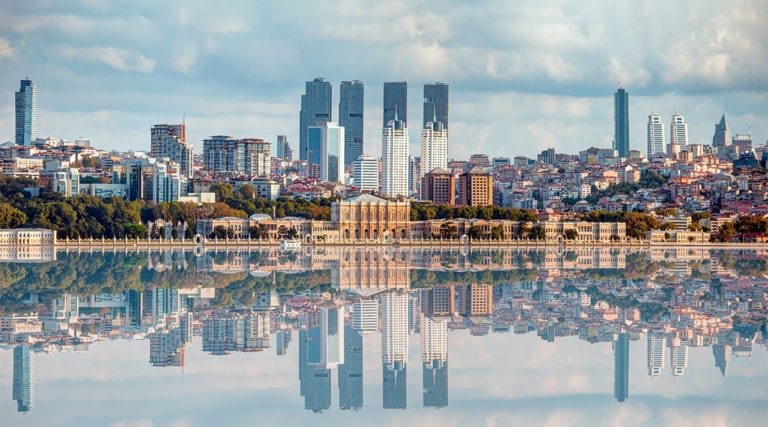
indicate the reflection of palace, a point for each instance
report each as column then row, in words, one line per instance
column 24, row 377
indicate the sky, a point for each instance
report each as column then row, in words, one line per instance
column 523, row 76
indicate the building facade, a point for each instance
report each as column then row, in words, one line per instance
column 475, row 188
column 315, row 110
column 170, row 141
column 227, row 156
column 26, row 113
column 439, row 186
column 371, row 217
column 434, row 147
column 394, row 157
column 351, row 97
column 365, row 173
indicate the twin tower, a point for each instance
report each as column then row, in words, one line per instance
column 323, row 142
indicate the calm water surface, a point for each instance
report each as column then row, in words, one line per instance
column 383, row 337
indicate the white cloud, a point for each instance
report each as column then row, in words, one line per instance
column 5, row 49
column 119, row 59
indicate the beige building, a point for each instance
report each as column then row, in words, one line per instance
column 438, row 186
column 586, row 231
column 27, row 237
column 366, row 217
column 677, row 236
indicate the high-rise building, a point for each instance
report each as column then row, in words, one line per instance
column 656, row 143
column 170, row 142
column 24, row 377
column 678, row 130
column 722, row 136
column 656, row 344
column 395, row 102
column 283, row 148
column 224, row 155
column 351, row 119
column 621, row 122
column 414, row 175
column 436, row 106
column 475, row 188
column 439, row 186
column 434, row 147
column 315, row 110
column 394, row 159
column 326, row 151
column 26, row 113
column 365, row 173
column 621, row 367
column 351, row 371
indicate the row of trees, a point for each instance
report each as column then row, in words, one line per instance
column 421, row 211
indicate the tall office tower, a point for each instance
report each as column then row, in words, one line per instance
column 224, row 155
column 621, row 122
column 315, row 110
column 436, row 104
column 621, row 367
column 24, row 377
column 351, row 371
column 722, row 136
column 365, row 173
column 282, row 147
column 434, row 147
column 314, row 380
column 395, row 102
column 656, row 143
column 656, row 343
column 170, row 141
column 678, row 130
column 678, row 356
column 414, row 175
column 325, row 144
column 438, row 185
column 351, row 119
column 26, row 113
column 434, row 357
column 394, row 349
column 475, row 188
column 394, row 159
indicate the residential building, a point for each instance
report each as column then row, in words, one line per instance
column 26, row 113
column 170, row 142
column 656, row 143
column 439, row 186
column 59, row 177
column 351, row 104
column 365, row 173
column 621, row 122
column 436, row 107
column 678, row 130
column 395, row 102
column 475, row 188
column 434, row 147
column 227, row 156
column 394, row 156
column 315, row 110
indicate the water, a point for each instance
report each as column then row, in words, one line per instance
column 343, row 336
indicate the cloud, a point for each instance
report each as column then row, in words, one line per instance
column 5, row 49
column 119, row 59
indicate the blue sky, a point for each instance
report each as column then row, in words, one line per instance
column 524, row 76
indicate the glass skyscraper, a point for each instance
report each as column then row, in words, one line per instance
column 621, row 122
column 315, row 110
column 436, row 104
column 351, row 96
column 395, row 102
column 26, row 113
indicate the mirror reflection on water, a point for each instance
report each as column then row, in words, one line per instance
column 340, row 335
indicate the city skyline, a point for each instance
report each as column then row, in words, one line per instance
column 551, row 82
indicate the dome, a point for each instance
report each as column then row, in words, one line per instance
column 259, row 217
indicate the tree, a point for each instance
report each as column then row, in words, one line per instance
column 571, row 234
column 667, row 226
column 247, row 191
column 11, row 217
column 223, row 191
column 475, row 232
column 727, row 231
column 537, row 233
column 497, row 232
column 449, row 230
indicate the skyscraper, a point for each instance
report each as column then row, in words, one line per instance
column 394, row 158
column 436, row 104
column 678, row 130
column 655, row 135
column 621, row 367
column 621, row 122
column 26, row 113
column 315, row 110
column 351, row 119
column 170, row 141
column 326, row 151
column 434, row 147
column 395, row 102
column 24, row 378
column 722, row 136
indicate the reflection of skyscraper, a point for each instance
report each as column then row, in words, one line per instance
column 678, row 356
column 24, row 378
column 475, row 299
column 434, row 357
column 656, row 344
column 351, row 371
column 394, row 349
column 226, row 332
column 282, row 339
column 167, row 347
column 365, row 315
column 314, row 380
column 722, row 353
column 438, row 302
column 621, row 367
column 326, row 338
